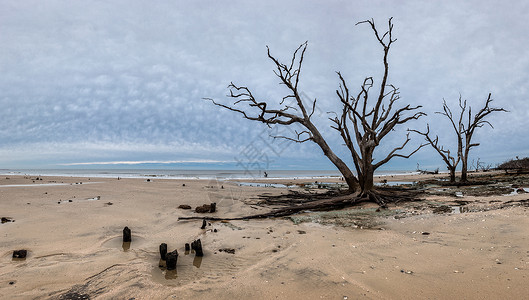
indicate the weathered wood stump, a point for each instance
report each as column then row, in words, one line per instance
column 20, row 253
column 197, row 246
column 187, row 247
column 203, row 224
column 206, row 208
column 170, row 260
column 203, row 209
column 184, row 206
column 127, row 236
column 163, row 250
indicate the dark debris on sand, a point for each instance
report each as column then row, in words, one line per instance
column 70, row 295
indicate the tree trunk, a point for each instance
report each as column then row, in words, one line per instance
column 367, row 183
column 351, row 181
column 452, row 174
column 464, row 168
column 349, row 177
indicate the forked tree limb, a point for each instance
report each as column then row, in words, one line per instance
column 450, row 161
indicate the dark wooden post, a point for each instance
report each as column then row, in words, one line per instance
column 203, row 224
column 20, row 253
column 163, row 250
column 171, row 259
column 127, row 236
column 197, row 246
column 187, row 247
column 213, row 207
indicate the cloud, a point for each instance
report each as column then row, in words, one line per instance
column 129, row 76
column 168, row 162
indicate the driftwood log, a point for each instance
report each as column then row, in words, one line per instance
column 327, row 204
column 298, row 202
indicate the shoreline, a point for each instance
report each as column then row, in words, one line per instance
column 192, row 174
column 407, row 252
column 19, row 180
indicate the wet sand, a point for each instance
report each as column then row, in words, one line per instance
column 75, row 247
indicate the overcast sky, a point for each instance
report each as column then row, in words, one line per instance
column 105, row 82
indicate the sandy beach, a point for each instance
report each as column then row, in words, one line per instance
column 72, row 229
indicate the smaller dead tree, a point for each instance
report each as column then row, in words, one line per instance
column 477, row 121
column 464, row 127
column 481, row 166
column 450, row 161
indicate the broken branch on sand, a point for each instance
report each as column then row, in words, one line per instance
column 320, row 202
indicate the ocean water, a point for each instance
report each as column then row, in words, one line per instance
column 188, row 174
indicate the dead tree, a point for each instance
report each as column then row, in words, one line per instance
column 450, row 161
column 477, row 121
column 291, row 110
column 362, row 125
column 464, row 127
column 370, row 124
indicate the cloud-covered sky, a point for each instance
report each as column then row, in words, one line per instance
column 123, row 81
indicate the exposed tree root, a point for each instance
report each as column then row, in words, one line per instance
column 296, row 197
column 326, row 204
column 373, row 196
column 381, row 197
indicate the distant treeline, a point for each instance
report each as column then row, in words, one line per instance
column 515, row 164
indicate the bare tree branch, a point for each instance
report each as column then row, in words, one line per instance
column 292, row 110
column 394, row 153
column 298, row 137
column 450, row 161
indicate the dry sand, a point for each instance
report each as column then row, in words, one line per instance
column 75, row 247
